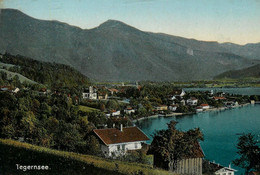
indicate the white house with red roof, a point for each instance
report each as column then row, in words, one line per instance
column 204, row 106
column 116, row 142
column 129, row 110
column 192, row 101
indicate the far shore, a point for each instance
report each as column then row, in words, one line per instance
column 183, row 114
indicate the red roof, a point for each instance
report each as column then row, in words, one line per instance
column 114, row 135
column 113, row 90
column 204, row 105
column 219, row 98
column 193, row 98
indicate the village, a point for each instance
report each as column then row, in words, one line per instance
column 114, row 108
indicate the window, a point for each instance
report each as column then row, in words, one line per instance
column 123, row 147
column 118, row 147
column 136, row 145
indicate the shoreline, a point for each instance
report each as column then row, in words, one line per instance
column 184, row 114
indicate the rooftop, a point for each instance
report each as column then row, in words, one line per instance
column 114, row 135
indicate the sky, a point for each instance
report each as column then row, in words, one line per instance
column 236, row 21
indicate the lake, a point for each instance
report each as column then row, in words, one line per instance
column 220, row 129
column 241, row 91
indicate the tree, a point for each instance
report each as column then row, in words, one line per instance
column 249, row 153
column 92, row 145
column 112, row 104
column 172, row 145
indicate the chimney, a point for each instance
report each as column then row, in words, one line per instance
column 229, row 166
column 121, row 127
column 114, row 125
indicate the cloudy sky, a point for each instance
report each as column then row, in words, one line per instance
column 236, row 21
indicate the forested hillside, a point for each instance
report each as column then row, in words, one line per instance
column 251, row 72
column 44, row 72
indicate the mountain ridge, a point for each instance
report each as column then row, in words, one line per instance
column 115, row 51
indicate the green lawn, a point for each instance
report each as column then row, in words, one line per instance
column 87, row 109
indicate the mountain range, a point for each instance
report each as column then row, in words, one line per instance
column 115, row 51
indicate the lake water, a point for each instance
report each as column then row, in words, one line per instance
column 241, row 91
column 220, row 129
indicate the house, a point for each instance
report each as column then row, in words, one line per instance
column 113, row 91
column 172, row 107
column 192, row 101
column 221, row 170
column 219, row 98
column 9, row 89
column 161, row 108
column 90, row 93
column 204, row 106
column 113, row 113
column 42, row 91
column 102, row 96
column 189, row 165
column 116, row 142
column 231, row 104
column 199, row 109
column 183, row 102
column 176, row 93
column 129, row 110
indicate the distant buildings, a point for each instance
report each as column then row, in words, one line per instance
column 90, row 93
column 116, row 142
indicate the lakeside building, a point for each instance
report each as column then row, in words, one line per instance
column 221, row 170
column 173, row 107
column 192, row 101
column 161, row 108
column 204, row 106
column 116, row 142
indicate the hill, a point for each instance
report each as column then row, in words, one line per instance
column 115, row 51
column 22, row 78
column 66, row 163
column 250, row 72
column 46, row 73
